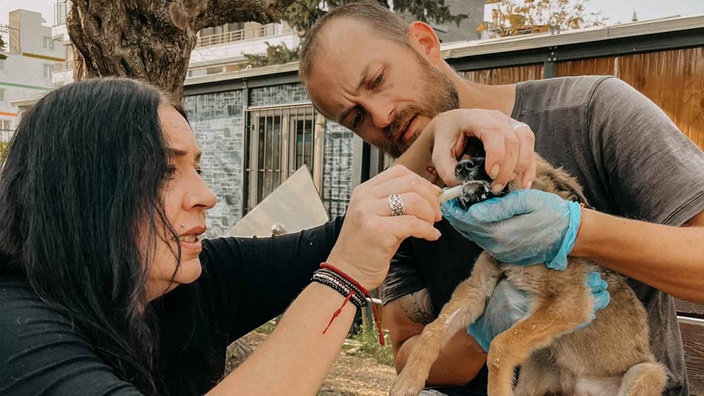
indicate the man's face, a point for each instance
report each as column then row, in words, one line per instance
column 382, row 90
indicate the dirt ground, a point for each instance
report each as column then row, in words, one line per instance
column 351, row 375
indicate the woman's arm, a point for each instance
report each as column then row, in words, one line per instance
column 296, row 357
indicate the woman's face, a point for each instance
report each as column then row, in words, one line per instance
column 186, row 199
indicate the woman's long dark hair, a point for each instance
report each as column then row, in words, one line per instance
column 80, row 211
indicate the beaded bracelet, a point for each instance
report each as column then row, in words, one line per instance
column 341, row 285
column 349, row 288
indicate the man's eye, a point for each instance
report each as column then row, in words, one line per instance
column 378, row 79
column 357, row 119
column 199, row 170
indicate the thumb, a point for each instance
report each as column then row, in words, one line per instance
column 499, row 209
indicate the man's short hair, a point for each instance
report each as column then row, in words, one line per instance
column 381, row 19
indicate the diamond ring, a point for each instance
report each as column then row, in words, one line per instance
column 396, row 204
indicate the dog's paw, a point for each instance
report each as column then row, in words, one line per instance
column 407, row 385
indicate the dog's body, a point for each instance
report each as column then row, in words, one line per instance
column 611, row 356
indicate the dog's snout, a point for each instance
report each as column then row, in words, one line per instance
column 469, row 169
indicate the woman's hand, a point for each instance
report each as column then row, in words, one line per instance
column 370, row 234
column 508, row 144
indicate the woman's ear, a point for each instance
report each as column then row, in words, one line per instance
column 424, row 40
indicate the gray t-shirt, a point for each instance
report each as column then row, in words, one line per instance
column 631, row 160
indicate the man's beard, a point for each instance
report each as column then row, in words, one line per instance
column 440, row 96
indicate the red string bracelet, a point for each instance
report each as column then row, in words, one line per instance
column 361, row 289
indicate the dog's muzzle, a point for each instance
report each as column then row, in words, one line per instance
column 476, row 182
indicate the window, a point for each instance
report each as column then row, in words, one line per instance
column 48, row 43
column 5, row 125
column 2, row 95
column 2, row 64
column 281, row 140
column 47, row 71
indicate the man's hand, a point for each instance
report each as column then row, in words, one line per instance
column 509, row 145
column 507, row 305
column 524, row 227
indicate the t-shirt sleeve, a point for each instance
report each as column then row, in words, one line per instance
column 252, row 280
column 403, row 277
column 41, row 352
column 654, row 171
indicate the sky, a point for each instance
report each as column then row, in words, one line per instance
column 618, row 11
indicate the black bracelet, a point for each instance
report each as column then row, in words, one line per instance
column 358, row 293
column 341, row 285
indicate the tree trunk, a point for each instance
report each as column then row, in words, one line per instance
column 152, row 40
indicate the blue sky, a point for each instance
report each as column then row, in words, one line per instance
column 618, row 11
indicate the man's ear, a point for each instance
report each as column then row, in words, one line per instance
column 424, row 40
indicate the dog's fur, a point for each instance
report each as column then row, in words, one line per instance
column 611, row 356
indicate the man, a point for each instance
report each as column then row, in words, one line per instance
column 365, row 69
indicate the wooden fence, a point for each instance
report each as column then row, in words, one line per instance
column 673, row 80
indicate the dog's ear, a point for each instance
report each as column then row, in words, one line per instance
column 558, row 181
column 568, row 187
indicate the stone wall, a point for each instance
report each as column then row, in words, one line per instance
column 337, row 168
column 217, row 120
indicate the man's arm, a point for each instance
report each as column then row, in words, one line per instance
column 668, row 258
column 459, row 361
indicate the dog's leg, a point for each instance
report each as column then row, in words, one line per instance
column 552, row 316
column 644, row 379
column 465, row 306
column 538, row 376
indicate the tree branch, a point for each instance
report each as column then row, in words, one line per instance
column 208, row 13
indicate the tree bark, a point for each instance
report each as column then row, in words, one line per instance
column 152, row 40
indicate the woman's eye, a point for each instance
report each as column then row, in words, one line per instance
column 199, row 170
column 378, row 79
column 170, row 171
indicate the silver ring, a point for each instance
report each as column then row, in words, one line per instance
column 519, row 124
column 396, row 205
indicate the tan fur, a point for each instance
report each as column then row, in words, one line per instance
column 610, row 356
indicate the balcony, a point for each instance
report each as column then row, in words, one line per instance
column 259, row 32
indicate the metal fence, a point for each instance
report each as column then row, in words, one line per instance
column 279, row 141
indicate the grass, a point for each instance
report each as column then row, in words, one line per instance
column 364, row 335
column 369, row 338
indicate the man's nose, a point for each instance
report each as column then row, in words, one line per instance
column 381, row 113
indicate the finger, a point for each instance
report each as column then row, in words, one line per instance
column 412, row 205
column 446, row 149
column 493, row 139
column 525, row 165
column 601, row 300
column 529, row 175
column 392, row 172
column 499, row 209
column 403, row 227
column 409, row 183
column 595, row 283
column 507, row 168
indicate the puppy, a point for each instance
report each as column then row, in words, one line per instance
column 610, row 356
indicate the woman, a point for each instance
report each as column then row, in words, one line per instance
column 105, row 286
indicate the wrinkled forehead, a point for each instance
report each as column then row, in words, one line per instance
column 345, row 51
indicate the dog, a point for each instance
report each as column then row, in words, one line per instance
column 610, row 356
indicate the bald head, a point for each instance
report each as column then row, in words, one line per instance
column 378, row 18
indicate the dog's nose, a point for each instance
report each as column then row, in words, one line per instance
column 467, row 169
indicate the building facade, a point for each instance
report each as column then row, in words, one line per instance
column 264, row 108
column 32, row 51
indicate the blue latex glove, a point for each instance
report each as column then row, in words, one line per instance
column 524, row 227
column 507, row 305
